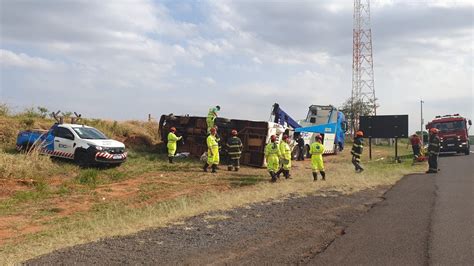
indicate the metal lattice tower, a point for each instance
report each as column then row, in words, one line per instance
column 363, row 91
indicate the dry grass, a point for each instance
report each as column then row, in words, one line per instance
column 22, row 166
column 116, row 218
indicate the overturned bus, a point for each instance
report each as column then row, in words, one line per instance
column 254, row 135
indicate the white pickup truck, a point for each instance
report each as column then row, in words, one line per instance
column 83, row 144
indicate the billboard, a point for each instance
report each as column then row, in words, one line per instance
column 384, row 126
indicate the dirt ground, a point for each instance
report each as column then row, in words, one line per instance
column 261, row 233
column 136, row 192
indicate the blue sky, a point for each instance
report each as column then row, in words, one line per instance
column 125, row 59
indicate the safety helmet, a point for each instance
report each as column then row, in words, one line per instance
column 319, row 137
column 173, row 129
column 273, row 138
column 213, row 130
column 285, row 137
column 234, row 132
column 434, row 130
column 359, row 133
column 218, row 107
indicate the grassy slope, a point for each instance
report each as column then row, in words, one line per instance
column 156, row 194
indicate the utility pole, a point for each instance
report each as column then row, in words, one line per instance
column 421, row 120
column 363, row 91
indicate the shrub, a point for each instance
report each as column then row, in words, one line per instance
column 4, row 109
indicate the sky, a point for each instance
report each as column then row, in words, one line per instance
column 126, row 59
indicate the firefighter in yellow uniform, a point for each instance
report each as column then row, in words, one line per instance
column 285, row 157
column 211, row 117
column 316, row 150
column 172, row 139
column 212, row 151
column 272, row 155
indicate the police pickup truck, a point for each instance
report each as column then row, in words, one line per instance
column 83, row 144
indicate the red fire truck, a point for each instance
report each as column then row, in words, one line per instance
column 453, row 132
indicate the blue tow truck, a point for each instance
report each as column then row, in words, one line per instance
column 323, row 120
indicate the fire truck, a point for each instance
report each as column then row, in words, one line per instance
column 453, row 132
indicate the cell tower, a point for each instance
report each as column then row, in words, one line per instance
column 363, row 91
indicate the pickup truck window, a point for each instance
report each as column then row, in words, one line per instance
column 64, row 133
column 89, row 133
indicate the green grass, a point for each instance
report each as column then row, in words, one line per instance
column 237, row 182
column 88, row 177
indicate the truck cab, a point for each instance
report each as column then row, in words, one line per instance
column 453, row 133
column 83, row 144
column 327, row 121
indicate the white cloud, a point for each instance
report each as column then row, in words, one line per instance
column 22, row 60
column 257, row 60
column 209, row 81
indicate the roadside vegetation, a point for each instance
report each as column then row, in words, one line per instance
column 47, row 204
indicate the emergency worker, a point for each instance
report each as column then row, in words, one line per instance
column 416, row 146
column 316, row 150
column 234, row 150
column 433, row 151
column 285, row 157
column 212, row 151
column 172, row 140
column 357, row 149
column 272, row 155
column 211, row 117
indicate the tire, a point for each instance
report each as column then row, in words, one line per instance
column 467, row 151
column 26, row 147
column 222, row 120
column 80, row 158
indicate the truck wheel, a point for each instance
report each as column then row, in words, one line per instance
column 26, row 147
column 467, row 151
column 336, row 148
column 80, row 158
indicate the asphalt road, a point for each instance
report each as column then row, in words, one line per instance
column 425, row 220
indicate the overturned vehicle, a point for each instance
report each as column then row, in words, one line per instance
column 254, row 135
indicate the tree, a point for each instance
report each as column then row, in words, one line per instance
column 43, row 111
column 353, row 111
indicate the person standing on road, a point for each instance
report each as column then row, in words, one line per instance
column 317, row 164
column 357, row 149
column 234, row 150
column 272, row 155
column 416, row 146
column 300, row 143
column 285, row 157
column 433, row 151
column 172, row 140
column 211, row 117
column 212, row 151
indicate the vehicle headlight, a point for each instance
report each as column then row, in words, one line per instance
column 98, row 148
